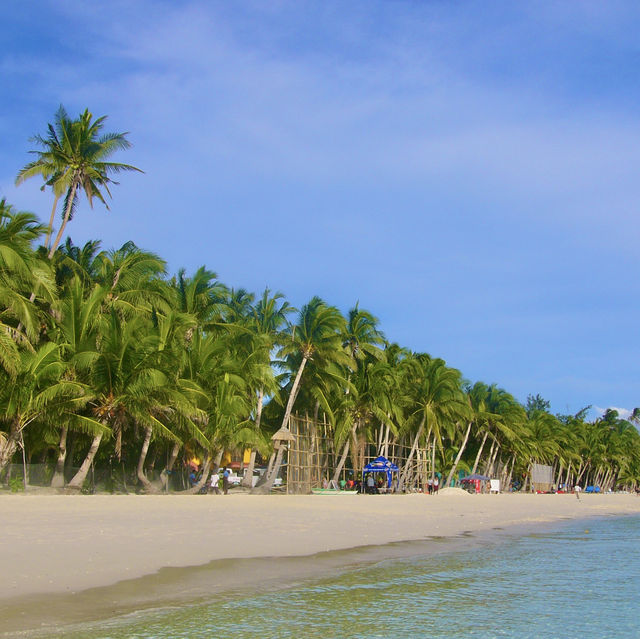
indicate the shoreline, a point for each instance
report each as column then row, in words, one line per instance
column 99, row 556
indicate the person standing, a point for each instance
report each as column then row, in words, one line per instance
column 577, row 490
column 436, row 485
column 371, row 484
column 215, row 479
column 225, row 481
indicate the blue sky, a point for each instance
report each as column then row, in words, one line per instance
column 466, row 171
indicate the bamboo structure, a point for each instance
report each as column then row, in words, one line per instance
column 312, row 457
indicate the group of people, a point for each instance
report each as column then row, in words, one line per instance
column 433, row 485
column 372, row 485
column 219, row 481
column 218, row 484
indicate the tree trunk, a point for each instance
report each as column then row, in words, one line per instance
column 146, row 484
column 10, row 446
column 78, row 479
column 67, row 213
column 385, row 448
column 433, row 459
column 57, row 481
column 492, row 459
column 405, row 470
column 164, row 476
column 247, row 480
column 558, row 475
column 458, row 457
column 294, row 393
column 341, row 463
column 271, row 477
column 475, row 463
column 508, row 480
column 203, row 477
column 50, row 227
column 489, row 458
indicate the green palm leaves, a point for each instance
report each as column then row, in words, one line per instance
column 74, row 157
column 100, row 345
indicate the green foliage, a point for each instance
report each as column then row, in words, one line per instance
column 102, row 346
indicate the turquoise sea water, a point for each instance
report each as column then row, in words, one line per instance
column 579, row 579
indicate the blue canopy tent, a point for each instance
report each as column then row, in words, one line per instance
column 380, row 465
column 475, row 477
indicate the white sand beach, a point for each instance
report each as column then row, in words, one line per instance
column 65, row 544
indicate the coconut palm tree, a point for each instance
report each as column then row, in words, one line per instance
column 128, row 384
column 39, row 393
column 75, row 157
column 317, row 335
column 21, row 271
column 266, row 322
column 438, row 401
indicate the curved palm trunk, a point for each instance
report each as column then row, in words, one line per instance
column 343, row 457
column 452, row 472
column 51, row 218
column 271, row 477
column 57, row 481
column 507, row 483
column 477, row 460
column 142, row 477
column 294, row 393
column 78, row 479
column 10, row 446
column 164, row 476
column 67, row 214
column 203, row 477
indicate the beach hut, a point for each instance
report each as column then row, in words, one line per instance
column 381, row 465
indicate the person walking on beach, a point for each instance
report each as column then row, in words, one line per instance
column 225, row 481
column 577, row 490
column 215, row 479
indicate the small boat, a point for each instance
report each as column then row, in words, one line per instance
column 332, row 491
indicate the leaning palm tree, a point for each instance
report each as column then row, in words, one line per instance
column 74, row 158
column 317, row 335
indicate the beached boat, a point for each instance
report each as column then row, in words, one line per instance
column 332, row 491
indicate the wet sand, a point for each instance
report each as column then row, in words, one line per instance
column 76, row 557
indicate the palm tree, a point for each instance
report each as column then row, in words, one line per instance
column 21, row 271
column 267, row 319
column 77, row 330
column 75, row 158
column 438, row 401
column 129, row 385
column 317, row 335
column 39, row 393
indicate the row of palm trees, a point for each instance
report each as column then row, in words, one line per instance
column 106, row 359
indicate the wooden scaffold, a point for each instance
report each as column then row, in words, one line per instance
column 311, row 457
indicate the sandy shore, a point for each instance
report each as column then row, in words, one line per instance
column 64, row 544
